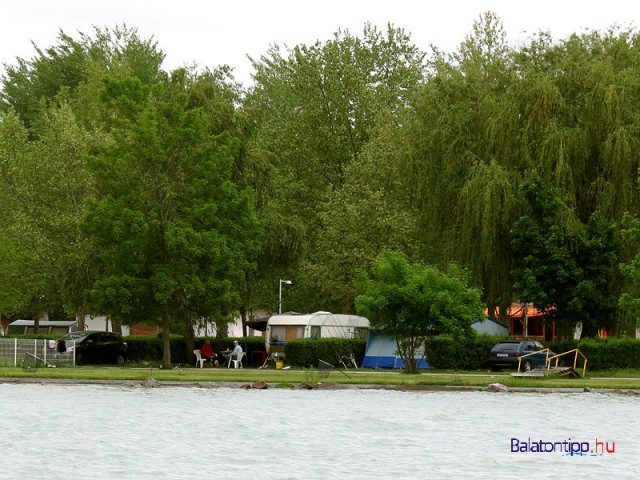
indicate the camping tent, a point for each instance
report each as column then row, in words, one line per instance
column 381, row 353
column 490, row 326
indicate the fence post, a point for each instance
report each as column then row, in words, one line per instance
column 15, row 352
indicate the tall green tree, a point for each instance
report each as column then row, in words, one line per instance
column 489, row 113
column 44, row 184
column 369, row 214
column 55, row 94
column 72, row 63
column 565, row 272
column 630, row 269
column 459, row 155
column 310, row 115
column 416, row 302
column 173, row 230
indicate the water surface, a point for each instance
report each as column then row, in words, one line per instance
column 105, row 432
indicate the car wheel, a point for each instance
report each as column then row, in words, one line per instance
column 527, row 366
column 79, row 358
column 120, row 360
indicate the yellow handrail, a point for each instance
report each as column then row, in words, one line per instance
column 546, row 361
column 575, row 360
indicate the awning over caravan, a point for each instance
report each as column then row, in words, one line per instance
column 381, row 353
column 259, row 324
column 44, row 326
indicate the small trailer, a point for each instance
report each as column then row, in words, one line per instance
column 289, row 326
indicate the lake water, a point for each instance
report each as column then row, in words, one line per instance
column 108, row 432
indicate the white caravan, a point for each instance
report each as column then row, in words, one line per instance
column 289, row 326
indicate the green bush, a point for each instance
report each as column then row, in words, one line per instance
column 447, row 353
column 610, row 353
column 148, row 348
column 560, row 346
column 305, row 352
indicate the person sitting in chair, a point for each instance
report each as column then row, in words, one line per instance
column 236, row 348
column 208, row 354
column 233, row 355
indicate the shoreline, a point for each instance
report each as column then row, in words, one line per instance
column 153, row 383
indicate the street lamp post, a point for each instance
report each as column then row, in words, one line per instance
column 282, row 282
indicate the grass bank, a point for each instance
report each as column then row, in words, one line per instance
column 625, row 379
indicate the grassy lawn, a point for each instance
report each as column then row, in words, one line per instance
column 623, row 379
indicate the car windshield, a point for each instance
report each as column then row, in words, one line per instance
column 512, row 347
column 75, row 336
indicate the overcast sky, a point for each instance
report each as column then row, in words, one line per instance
column 212, row 33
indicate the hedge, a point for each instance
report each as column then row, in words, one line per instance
column 610, row 353
column 149, row 347
column 306, row 352
column 602, row 354
column 447, row 353
column 471, row 354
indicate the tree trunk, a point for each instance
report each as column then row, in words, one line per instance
column 80, row 320
column 407, row 349
column 166, row 341
column 116, row 326
column 189, row 339
column 36, row 321
column 243, row 319
column 222, row 328
column 577, row 331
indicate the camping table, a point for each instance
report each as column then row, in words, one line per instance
column 226, row 354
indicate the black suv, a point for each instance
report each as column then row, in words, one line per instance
column 95, row 347
column 507, row 353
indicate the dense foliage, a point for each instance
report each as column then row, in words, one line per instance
column 469, row 353
column 169, row 197
column 415, row 303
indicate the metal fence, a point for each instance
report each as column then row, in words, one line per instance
column 25, row 352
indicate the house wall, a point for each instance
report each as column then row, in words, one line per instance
column 102, row 323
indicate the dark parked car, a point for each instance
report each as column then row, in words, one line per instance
column 506, row 354
column 95, row 347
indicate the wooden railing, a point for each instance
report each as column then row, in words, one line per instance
column 546, row 361
column 575, row 360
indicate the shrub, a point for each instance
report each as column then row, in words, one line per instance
column 610, row 353
column 560, row 346
column 305, row 352
column 470, row 353
column 149, row 347
column 141, row 348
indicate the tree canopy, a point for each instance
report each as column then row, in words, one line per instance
column 417, row 302
column 158, row 196
column 173, row 230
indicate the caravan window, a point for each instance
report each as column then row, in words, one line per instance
column 315, row 332
column 286, row 333
column 360, row 332
column 277, row 334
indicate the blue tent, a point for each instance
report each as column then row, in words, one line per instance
column 381, row 353
column 490, row 326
